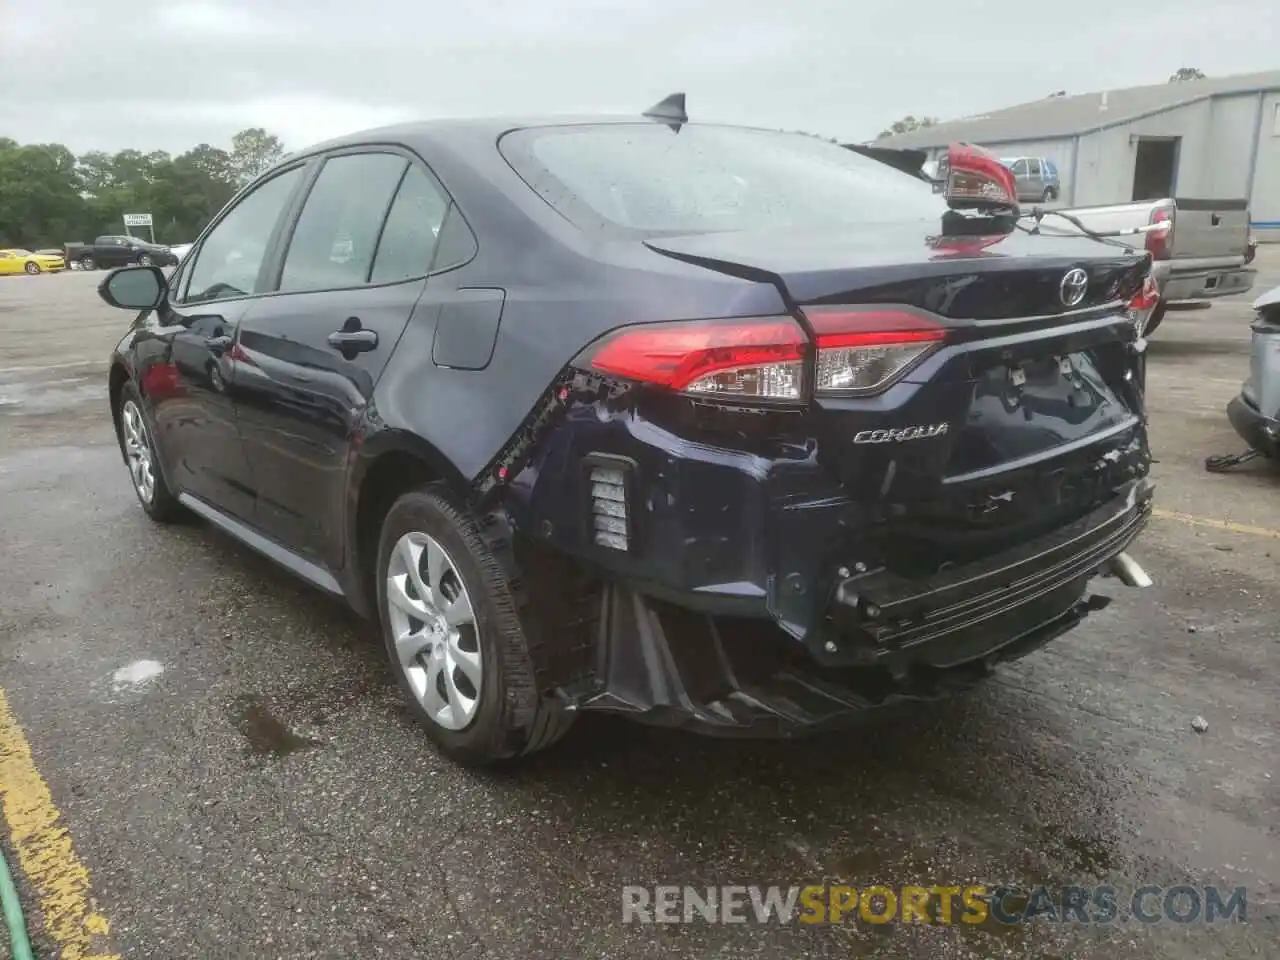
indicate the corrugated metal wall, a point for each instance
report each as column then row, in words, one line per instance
column 1265, row 202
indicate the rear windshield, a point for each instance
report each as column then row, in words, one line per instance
column 647, row 178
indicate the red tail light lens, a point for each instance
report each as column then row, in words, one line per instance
column 974, row 178
column 863, row 351
column 754, row 358
column 1143, row 303
column 1160, row 239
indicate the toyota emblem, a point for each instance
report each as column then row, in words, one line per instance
column 1074, row 284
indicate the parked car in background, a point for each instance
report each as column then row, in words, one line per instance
column 180, row 250
column 117, row 250
column 17, row 260
column 707, row 426
column 1200, row 249
column 1036, row 178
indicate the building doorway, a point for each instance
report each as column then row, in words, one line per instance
column 1155, row 167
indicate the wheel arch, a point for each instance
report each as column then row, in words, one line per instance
column 390, row 463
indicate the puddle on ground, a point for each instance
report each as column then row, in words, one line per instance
column 265, row 733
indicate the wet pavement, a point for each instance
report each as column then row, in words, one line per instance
column 237, row 772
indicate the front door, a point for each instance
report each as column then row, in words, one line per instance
column 311, row 354
column 188, row 359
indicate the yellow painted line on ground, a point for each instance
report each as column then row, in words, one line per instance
column 45, row 854
column 1228, row 525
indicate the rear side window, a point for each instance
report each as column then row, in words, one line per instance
column 412, row 228
column 336, row 235
column 1035, row 167
column 647, row 178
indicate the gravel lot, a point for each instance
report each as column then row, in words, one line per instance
column 266, row 795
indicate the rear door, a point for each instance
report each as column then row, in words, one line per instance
column 1210, row 229
column 350, row 277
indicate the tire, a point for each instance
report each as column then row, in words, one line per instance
column 32, row 268
column 139, row 452
column 506, row 717
column 86, row 263
column 144, row 259
column 1157, row 315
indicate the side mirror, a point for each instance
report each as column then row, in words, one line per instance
column 133, row 288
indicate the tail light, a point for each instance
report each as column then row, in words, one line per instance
column 1160, row 240
column 754, row 358
column 859, row 351
column 972, row 178
column 862, row 351
column 1143, row 303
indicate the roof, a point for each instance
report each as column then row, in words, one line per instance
column 1060, row 117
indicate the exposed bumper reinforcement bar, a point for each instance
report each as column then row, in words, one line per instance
column 669, row 666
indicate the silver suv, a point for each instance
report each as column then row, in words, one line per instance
column 1037, row 177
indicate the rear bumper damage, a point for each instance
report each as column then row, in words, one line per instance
column 886, row 640
column 1176, row 286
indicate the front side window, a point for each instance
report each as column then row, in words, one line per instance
column 230, row 258
column 335, row 239
column 1035, row 167
column 1020, row 168
column 412, row 227
column 647, row 178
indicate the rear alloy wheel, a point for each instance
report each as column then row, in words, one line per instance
column 32, row 267
column 1048, row 195
column 144, row 259
column 140, row 457
column 86, row 263
column 453, row 636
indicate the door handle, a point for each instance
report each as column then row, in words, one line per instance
column 353, row 341
column 218, row 344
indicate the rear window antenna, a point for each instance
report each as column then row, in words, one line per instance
column 670, row 111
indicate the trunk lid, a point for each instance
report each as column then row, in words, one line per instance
column 1029, row 414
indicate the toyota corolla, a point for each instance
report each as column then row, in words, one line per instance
column 713, row 427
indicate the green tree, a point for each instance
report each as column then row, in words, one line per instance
column 1186, row 73
column 48, row 196
column 253, row 151
column 906, row 125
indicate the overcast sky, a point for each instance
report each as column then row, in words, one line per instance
column 167, row 74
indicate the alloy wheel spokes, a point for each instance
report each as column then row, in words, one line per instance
column 432, row 621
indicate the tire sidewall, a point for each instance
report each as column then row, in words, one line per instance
column 432, row 511
column 32, row 268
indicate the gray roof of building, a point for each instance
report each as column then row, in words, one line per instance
column 1055, row 117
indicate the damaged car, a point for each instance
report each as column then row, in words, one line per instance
column 713, row 427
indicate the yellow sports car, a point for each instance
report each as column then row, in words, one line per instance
column 24, row 261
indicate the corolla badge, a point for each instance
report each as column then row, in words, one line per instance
column 1072, row 289
column 900, row 434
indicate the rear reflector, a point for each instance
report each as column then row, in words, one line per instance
column 864, row 350
column 751, row 358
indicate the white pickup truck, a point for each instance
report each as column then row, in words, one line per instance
column 1205, row 250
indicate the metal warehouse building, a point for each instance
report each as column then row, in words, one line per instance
column 1217, row 138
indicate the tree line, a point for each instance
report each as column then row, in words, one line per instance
column 49, row 196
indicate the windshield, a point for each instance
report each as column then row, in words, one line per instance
column 647, row 178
